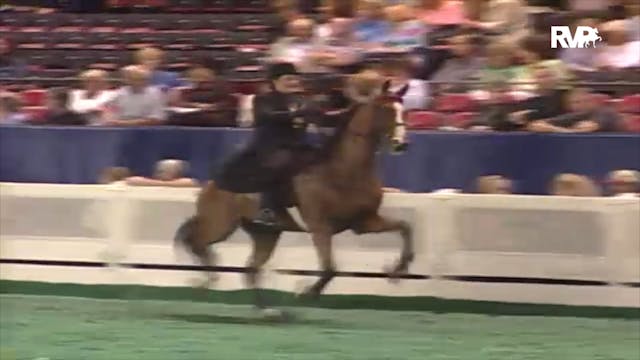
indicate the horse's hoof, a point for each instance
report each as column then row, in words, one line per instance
column 395, row 273
column 203, row 284
column 275, row 315
column 302, row 289
column 310, row 293
column 270, row 313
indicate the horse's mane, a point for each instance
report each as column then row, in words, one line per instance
column 340, row 130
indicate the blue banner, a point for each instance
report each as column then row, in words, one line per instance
column 435, row 159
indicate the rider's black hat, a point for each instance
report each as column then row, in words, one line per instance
column 281, row 69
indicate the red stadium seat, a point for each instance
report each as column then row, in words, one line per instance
column 425, row 120
column 34, row 97
column 260, row 6
column 255, row 22
column 632, row 122
column 37, row 24
column 32, row 40
column 455, row 103
column 186, row 6
column 460, row 120
column 630, row 104
column 36, row 113
column 216, row 23
column 217, row 6
column 601, row 99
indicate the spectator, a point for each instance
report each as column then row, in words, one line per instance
column 464, row 65
column 588, row 5
column 137, row 103
column 573, row 185
column 151, row 59
column 322, row 29
column 618, row 52
column 58, row 112
column 93, row 99
column 496, row 113
column 287, row 12
column 114, row 175
column 296, row 46
column 414, row 93
column 167, row 173
column 585, row 116
column 506, row 19
column 337, row 51
column 632, row 9
column 536, row 52
column 340, row 8
column 581, row 59
column 407, row 33
column 10, row 113
column 371, row 27
column 442, row 12
column 494, row 184
column 547, row 102
column 11, row 66
column 621, row 182
column 210, row 97
column 501, row 67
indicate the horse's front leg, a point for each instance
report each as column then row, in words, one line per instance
column 322, row 241
column 379, row 224
column 263, row 246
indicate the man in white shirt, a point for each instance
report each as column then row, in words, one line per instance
column 414, row 93
column 137, row 103
column 618, row 52
column 92, row 101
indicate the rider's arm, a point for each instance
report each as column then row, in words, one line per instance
column 264, row 111
column 333, row 118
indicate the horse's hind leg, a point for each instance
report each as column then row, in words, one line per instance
column 216, row 219
column 379, row 224
column 263, row 246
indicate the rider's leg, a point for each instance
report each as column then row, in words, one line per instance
column 269, row 206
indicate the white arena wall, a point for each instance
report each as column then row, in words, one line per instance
column 534, row 249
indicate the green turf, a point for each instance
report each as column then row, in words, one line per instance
column 57, row 328
column 417, row 303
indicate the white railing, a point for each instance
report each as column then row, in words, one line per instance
column 456, row 235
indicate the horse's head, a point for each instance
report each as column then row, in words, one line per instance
column 379, row 114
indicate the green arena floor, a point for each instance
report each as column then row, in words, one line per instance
column 75, row 328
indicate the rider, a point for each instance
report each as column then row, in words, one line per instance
column 279, row 146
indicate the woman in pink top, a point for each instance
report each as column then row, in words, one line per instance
column 442, row 12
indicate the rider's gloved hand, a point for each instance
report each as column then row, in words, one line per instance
column 309, row 109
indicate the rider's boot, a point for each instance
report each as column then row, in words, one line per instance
column 267, row 218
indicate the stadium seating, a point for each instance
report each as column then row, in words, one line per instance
column 630, row 104
column 455, row 103
column 34, row 97
column 424, row 120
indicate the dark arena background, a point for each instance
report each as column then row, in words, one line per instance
column 514, row 162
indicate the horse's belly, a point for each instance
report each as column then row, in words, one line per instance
column 354, row 205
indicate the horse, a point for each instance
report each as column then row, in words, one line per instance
column 340, row 192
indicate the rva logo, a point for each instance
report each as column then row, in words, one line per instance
column 583, row 38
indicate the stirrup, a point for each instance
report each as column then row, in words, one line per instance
column 265, row 217
column 265, row 221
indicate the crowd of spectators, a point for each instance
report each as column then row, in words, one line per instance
column 618, row 183
column 492, row 51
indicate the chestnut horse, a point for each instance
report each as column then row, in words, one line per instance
column 340, row 192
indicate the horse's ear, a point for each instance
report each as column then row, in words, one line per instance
column 386, row 86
